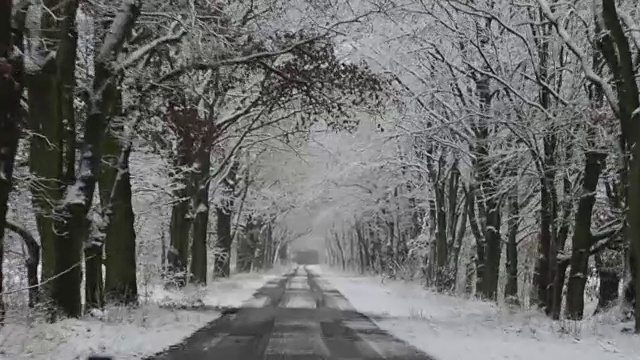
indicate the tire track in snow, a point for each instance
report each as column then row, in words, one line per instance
column 298, row 317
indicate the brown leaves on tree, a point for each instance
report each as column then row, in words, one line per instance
column 322, row 83
column 196, row 136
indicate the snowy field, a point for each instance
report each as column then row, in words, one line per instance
column 129, row 333
column 451, row 328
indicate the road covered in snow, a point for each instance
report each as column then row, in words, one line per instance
column 299, row 316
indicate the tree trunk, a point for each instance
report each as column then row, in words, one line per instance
column 47, row 92
column 489, row 253
column 457, row 245
column 224, row 212
column 470, row 272
column 51, row 95
column 617, row 52
column 353, row 255
column 223, row 230
column 581, row 242
column 364, row 249
column 609, row 282
column 486, row 182
column 632, row 219
column 66, row 65
column 441, row 247
column 560, row 268
column 33, row 259
column 265, row 245
column 456, row 234
column 511, row 287
column 223, row 245
column 478, row 257
column 10, row 93
column 248, row 245
column 178, row 254
column 246, row 253
column 71, row 223
column 65, row 291
column 545, row 268
column 45, row 159
column 94, row 252
column 184, row 120
column 543, row 271
column 608, row 289
column 340, row 251
column 558, row 287
column 391, row 247
column 94, row 285
column 120, row 285
column 45, row 152
column 201, row 223
column 493, row 252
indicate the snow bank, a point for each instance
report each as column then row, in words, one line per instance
column 451, row 328
column 128, row 333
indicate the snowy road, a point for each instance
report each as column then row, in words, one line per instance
column 299, row 316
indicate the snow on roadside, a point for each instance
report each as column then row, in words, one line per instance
column 128, row 333
column 451, row 328
column 222, row 293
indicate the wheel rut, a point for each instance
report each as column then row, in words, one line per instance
column 297, row 317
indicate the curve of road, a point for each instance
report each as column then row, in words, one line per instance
column 297, row 317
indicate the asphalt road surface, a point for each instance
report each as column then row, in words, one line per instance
column 297, row 317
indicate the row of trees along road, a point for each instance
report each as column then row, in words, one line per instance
column 510, row 169
column 196, row 85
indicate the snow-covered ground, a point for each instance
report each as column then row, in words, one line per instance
column 451, row 328
column 129, row 333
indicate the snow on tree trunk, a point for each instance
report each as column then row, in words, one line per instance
column 490, row 200
column 32, row 262
column 548, row 207
column 617, row 53
column 179, row 229
column 10, row 93
column 201, row 221
column 72, row 224
column 51, row 87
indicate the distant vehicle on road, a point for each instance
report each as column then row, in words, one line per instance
column 307, row 257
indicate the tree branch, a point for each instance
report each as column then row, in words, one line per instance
column 29, row 240
column 142, row 51
column 582, row 57
column 233, row 61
